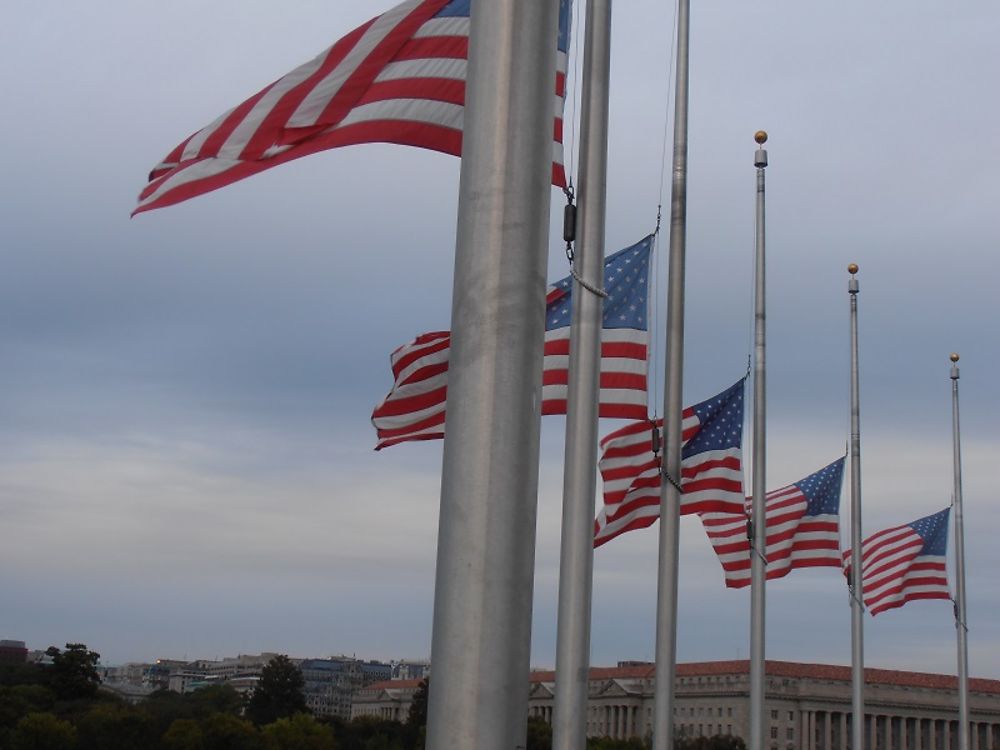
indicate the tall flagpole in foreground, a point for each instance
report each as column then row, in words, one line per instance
column 670, row 494
column 758, row 520
column 961, row 625
column 854, row 583
column 569, row 730
column 489, row 485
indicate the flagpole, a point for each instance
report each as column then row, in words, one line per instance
column 855, row 583
column 670, row 496
column 758, row 559
column 489, row 485
column 961, row 626
column 569, row 728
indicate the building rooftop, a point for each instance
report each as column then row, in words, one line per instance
column 772, row 668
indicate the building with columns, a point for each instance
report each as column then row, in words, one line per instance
column 808, row 705
column 390, row 699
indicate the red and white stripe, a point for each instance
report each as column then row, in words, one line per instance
column 710, row 480
column 399, row 78
column 623, row 381
column 894, row 572
column 794, row 540
column 415, row 407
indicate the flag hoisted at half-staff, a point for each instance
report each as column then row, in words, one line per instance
column 415, row 407
column 803, row 529
column 904, row 563
column 711, row 466
column 399, row 78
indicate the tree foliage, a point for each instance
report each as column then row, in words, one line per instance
column 539, row 734
column 299, row 732
column 279, row 693
column 226, row 732
column 73, row 673
column 43, row 731
column 110, row 726
column 715, row 742
column 417, row 716
column 183, row 734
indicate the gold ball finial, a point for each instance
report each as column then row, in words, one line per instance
column 954, row 357
column 761, row 137
column 852, row 268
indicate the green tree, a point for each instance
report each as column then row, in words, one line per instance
column 73, row 673
column 215, row 699
column 183, row 734
column 417, row 716
column 18, row 701
column 539, row 734
column 110, row 726
column 43, row 732
column 715, row 742
column 227, row 732
column 279, row 693
column 299, row 732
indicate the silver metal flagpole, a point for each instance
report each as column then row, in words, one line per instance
column 670, row 495
column 758, row 559
column 855, row 583
column 569, row 730
column 486, row 536
column 961, row 625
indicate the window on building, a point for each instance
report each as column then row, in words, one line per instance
column 700, row 730
column 790, row 733
column 729, row 728
column 791, row 716
column 774, row 733
column 729, row 711
column 774, row 714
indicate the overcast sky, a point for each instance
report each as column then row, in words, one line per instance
column 186, row 463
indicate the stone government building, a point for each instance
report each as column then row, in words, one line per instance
column 809, row 705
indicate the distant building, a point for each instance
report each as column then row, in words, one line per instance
column 240, row 672
column 386, row 700
column 13, row 652
column 808, row 705
column 410, row 669
column 331, row 684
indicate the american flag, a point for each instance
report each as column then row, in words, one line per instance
column 904, row 563
column 711, row 466
column 803, row 528
column 399, row 78
column 415, row 407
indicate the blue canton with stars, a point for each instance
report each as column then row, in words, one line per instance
column 721, row 422
column 822, row 489
column 626, row 274
column 461, row 8
column 934, row 531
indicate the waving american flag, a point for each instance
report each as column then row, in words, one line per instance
column 803, row 528
column 711, row 466
column 399, row 78
column 415, row 407
column 904, row 563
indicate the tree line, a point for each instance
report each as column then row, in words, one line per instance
column 60, row 706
